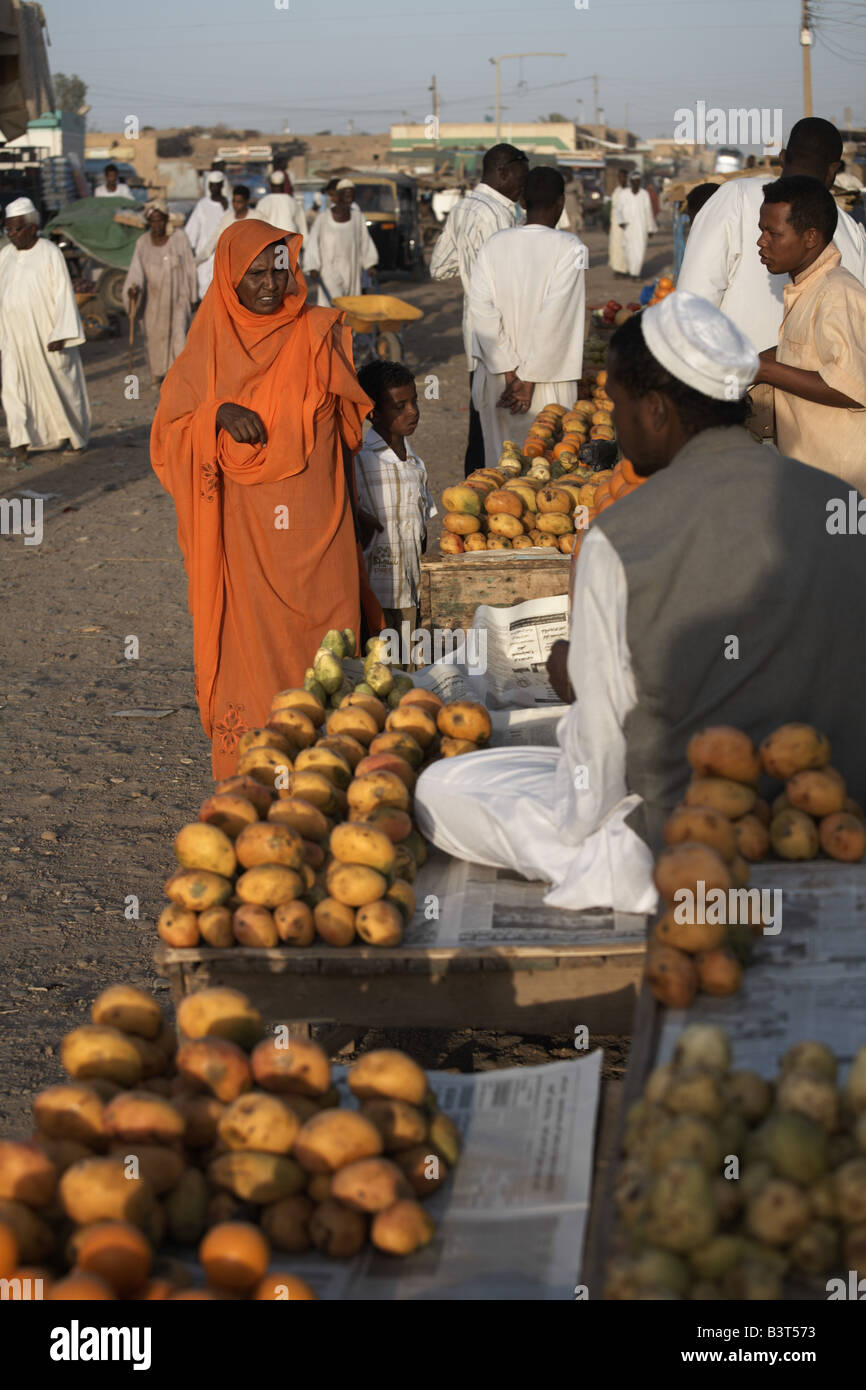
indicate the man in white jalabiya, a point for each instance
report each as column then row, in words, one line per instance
column 280, row 208
column 339, row 247
column 490, row 207
column 637, row 211
column 526, row 314
column 44, row 393
column 615, row 248
column 204, row 219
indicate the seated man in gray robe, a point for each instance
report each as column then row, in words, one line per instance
column 720, row 592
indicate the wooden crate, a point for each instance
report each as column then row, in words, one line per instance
column 496, row 957
column 452, row 586
column 527, row 989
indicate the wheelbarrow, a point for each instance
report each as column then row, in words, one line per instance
column 377, row 320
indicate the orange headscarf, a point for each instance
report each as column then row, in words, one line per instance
column 281, row 365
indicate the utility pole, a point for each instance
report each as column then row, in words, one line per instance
column 496, row 62
column 434, row 91
column 626, row 118
column 806, row 45
column 595, row 97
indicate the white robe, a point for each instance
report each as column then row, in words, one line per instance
column 203, row 221
column 339, row 251
column 44, row 393
column 721, row 261
column 121, row 191
column 559, row 814
column 283, row 211
column 637, row 213
column 615, row 248
column 526, row 307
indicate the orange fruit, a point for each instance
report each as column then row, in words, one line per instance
column 156, row 1291
column 665, row 283
column 277, row 1288
column 605, row 502
column 618, row 484
column 533, row 448
column 628, row 472
column 79, row 1287
column 602, row 492
column 194, row 1296
column 9, row 1253
column 234, row 1256
column 116, row 1252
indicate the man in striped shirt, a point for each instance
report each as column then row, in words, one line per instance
column 490, row 207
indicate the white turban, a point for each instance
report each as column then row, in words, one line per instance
column 345, row 183
column 278, row 176
column 22, row 207
column 700, row 346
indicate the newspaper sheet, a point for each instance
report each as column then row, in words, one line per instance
column 804, row 982
column 515, row 644
column 472, row 906
column 511, row 1219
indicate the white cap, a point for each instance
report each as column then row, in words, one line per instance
column 700, row 346
column 20, row 208
column 278, row 176
column 345, row 183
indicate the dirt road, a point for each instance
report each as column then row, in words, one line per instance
column 92, row 797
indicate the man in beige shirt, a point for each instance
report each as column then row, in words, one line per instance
column 818, row 369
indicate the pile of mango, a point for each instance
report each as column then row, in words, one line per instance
column 226, row 1135
column 313, row 836
column 532, row 497
column 721, row 827
column 732, row 1184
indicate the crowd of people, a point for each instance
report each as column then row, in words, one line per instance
column 291, row 522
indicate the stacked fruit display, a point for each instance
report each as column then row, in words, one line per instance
column 532, row 498
column 314, row 835
column 722, row 826
column 224, row 1137
column 662, row 288
column 731, row 1183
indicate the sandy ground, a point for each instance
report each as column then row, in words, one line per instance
column 92, row 799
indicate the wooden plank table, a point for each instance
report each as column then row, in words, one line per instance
column 495, row 958
column 809, row 981
column 452, row 586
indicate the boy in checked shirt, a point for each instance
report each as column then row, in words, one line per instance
column 392, row 485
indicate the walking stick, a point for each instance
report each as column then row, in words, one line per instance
column 132, row 310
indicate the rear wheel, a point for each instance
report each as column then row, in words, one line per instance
column 94, row 319
column 110, row 290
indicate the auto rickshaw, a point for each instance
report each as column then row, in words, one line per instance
column 98, row 251
column 389, row 202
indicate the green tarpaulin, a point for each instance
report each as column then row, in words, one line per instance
column 90, row 224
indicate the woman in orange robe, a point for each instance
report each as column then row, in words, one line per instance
column 257, row 418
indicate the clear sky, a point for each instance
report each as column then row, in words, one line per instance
column 319, row 64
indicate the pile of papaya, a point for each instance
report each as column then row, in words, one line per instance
column 706, row 933
column 546, row 494
column 221, row 1136
column 313, row 837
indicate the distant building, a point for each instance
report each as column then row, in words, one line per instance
column 542, row 137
